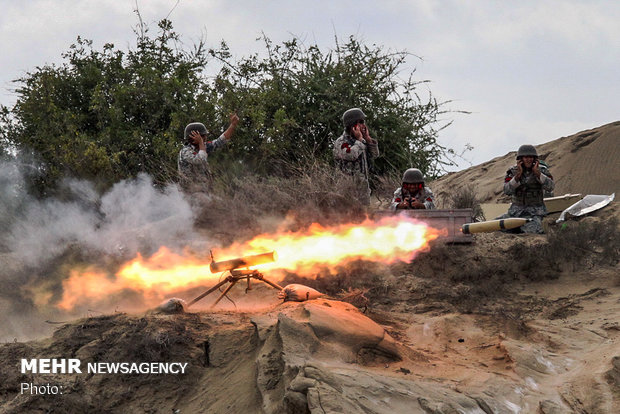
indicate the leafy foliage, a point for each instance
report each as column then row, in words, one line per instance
column 107, row 115
column 293, row 99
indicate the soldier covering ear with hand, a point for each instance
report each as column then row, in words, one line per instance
column 526, row 183
column 354, row 150
column 413, row 193
column 192, row 161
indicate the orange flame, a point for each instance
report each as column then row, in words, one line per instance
column 388, row 240
column 391, row 239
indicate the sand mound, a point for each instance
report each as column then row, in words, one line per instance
column 583, row 163
column 507, row 324
column 326, row 356
column 319, row 356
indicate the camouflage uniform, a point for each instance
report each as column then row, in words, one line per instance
column 352, row 157
column 527, row 196
column 547, row 193
column 192, row 163
column 425, row 196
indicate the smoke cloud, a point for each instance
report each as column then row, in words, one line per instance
column 133, row 216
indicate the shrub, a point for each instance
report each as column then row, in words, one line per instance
column 107, row 115
column 244, row 204
column 466, row 197
column 589, row 240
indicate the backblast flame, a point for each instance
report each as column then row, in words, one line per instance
column 391, row 239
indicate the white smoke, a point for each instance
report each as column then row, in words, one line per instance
column 139, row 217
column 11, row 194
column 132, row 216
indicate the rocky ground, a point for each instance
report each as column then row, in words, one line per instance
column 434, row 338
column 507, row 324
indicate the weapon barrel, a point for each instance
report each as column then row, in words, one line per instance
column 244, row 261
column 493, row 225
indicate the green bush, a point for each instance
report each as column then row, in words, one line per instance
column 106, row 115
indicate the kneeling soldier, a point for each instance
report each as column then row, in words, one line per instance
column 412, row 194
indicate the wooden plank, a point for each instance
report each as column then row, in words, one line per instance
column 561, row 203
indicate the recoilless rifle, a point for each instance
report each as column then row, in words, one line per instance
column 239, row 269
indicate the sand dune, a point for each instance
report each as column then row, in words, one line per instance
column 587, row 162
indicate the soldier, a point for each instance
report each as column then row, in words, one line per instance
column 413, row 193
column 192, row 163
column 354, row 149
column 525, row 183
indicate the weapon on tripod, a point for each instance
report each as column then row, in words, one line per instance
column 245, row 261
column 236, row 273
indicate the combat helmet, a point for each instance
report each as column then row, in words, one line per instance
column 526, row 150
column 351, row 116
column 194, row 126
column 413, row 176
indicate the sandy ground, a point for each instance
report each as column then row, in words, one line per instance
column 430, row 341
column 583, row 163
column 488, row 327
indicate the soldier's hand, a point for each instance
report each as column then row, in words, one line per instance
column 403, row 205
column 234, row 118
column 536, row 168
column 519, row 169
column 365, row 133
column 357, row 132
column 416, row 204
column 197, row 139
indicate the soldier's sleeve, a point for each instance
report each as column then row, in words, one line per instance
column 546, row 179
column 429, row 199
column 337, row 143
column 220, row 142
column 189, row 156
column 396, row 199
column 373, row 149
column 510, row 184
column 348, row 152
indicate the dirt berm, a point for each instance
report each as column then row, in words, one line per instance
column 427, row 354
column 509, row 324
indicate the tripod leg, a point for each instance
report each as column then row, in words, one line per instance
column 270, row 283
column 224, row 293
column 228, row 279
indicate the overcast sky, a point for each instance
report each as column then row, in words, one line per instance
column 529, row 71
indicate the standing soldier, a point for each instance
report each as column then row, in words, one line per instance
column 354, row 149
column 413, row 193
column 525, row 183
column 192, row 163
